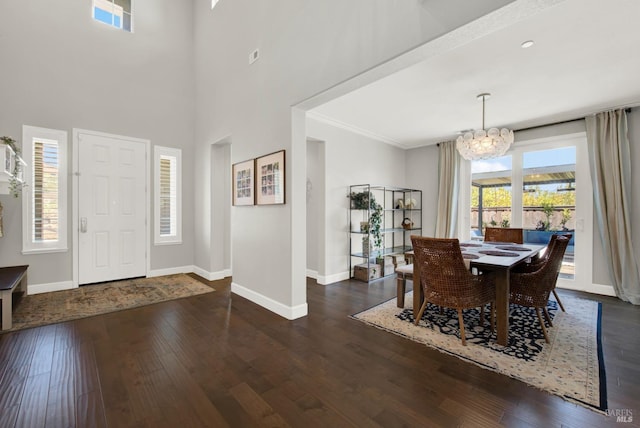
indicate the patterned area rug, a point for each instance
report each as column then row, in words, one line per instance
column 570, row 366
column 96, row 299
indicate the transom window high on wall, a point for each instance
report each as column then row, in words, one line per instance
column 116, row 13
column 544, row 203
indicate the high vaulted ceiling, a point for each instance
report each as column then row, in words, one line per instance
column 585, row 59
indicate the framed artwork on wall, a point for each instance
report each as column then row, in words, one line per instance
column 270, row 179
column 244, row 183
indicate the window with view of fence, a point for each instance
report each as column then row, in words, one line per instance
column 44, row 195
column 167, row 196
column 46, row 206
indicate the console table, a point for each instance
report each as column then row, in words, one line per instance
column 11, row 279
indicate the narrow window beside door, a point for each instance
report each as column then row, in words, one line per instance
column 44, row 196
column 168, row 198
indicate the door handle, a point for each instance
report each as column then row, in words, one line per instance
column 83, row 224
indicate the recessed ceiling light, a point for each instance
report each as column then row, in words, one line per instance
column 527, row 44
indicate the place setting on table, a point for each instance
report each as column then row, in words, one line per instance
column 475, row 250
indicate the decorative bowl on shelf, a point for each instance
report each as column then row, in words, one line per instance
column 407, row 224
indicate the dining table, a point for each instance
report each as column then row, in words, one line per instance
column 496, row 257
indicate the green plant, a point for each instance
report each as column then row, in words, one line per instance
column 367, row 201
column 15, row 185
column 375, row 224
column 566, row 216
column 359, row 200
column 547, row 209
column 505, row 220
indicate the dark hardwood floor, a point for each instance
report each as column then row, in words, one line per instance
column 219, row 360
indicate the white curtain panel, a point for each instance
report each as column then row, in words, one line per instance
column 448, row 190
column 609, row 161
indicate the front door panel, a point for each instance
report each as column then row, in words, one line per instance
column 112, row 209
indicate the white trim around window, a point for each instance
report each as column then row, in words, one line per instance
column 44, row 198
column 167, row 201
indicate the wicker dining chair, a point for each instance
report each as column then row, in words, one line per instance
column 532, row 289
column 447, row 282
column 536, row 263
column 504, row 234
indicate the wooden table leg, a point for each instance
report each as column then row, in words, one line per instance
column 401, row 287
column 502, row 306
column 6, row 309
column 418, row 292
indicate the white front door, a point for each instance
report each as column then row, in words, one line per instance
column 111, row 208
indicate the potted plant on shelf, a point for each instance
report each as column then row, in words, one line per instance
column 367, row 201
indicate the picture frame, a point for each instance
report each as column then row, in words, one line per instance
column 270, row 179
column 243, row 178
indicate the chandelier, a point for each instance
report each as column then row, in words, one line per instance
column 481, row 144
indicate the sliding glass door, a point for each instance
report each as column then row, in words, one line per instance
column 549, row 199
column 543, row 187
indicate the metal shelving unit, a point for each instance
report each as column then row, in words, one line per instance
column 367, row 262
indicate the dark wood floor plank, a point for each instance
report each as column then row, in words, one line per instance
column 15, row 363
column 66, row 335
column 220, row 360
column 86, row 372
column 259, row 410
column 301, row 408
column 13, row 385
column 472, row 415
column 9, row 415
column 188, row 387
column 90, row 410
column 61, row 405
column 109, row 360
column 33, row 406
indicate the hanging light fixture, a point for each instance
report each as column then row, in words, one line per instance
column 481, row 144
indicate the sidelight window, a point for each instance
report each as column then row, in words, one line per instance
column 45, row 193
column 168, row 198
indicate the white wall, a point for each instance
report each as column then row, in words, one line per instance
column 349, row 159
column 305, row 47
column 422, row 173
column 220, row 252
column 315, row 205
column 63, row 70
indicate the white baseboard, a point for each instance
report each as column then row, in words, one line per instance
column 211, row 276
column 605, row 290
column 330, row 279
column 312, row 274
column 68, row 285
column 288, row 312
column 170, row 271
column 47, row 288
